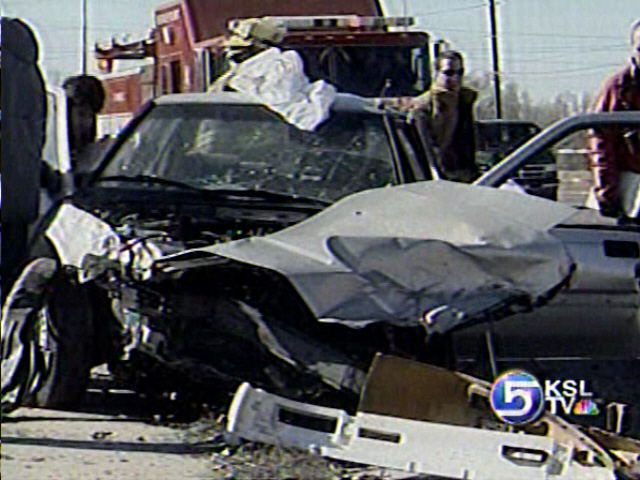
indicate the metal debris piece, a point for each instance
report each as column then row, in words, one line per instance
column 100, row 435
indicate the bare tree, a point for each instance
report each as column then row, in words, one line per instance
column 511, row 106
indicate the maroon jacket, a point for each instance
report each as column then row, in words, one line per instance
column 611, row 152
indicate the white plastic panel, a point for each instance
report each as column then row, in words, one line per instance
column 401, row 444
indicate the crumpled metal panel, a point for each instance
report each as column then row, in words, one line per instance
column 438, row 251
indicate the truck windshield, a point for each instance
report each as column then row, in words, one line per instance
column 226, row 146
column 363, row 70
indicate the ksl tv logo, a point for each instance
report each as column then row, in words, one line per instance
column 518, row 397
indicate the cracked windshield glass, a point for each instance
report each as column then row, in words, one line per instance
column 250, row 148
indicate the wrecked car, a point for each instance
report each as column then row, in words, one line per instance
column 218, row 243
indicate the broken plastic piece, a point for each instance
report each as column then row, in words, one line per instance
column 407, row 445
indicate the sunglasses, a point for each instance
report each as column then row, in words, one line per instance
column 451, row 73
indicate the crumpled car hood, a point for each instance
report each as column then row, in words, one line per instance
column 436, row 253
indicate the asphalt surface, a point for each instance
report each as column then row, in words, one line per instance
column 58, row 445
column 114, row 436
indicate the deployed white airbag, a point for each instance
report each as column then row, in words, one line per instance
column 277, row 79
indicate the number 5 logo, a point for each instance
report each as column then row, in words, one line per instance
column 517, row 397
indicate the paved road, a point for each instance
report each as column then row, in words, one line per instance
column 45, row 444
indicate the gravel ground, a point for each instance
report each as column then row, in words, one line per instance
column 42, row 444
column 45, row 444
column 117, row 438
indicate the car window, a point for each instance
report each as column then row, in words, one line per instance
column 503, row 136
column 249, row 147
column 570, row 173
column 495, row 140
column 574, row 178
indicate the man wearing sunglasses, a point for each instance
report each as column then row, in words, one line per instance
column 615, row 152
column 445, row 113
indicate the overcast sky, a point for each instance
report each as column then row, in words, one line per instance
column 546, row 46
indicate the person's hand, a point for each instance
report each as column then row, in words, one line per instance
column 405, row 104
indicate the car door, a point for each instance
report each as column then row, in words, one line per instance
column 598, row 314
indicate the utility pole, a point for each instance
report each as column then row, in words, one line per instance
column 496, row 62
column 84, row 37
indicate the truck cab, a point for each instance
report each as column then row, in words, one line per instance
column 189, row 48
column 356, row 54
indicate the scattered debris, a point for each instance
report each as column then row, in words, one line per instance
column 442, row 426
column 100, row 435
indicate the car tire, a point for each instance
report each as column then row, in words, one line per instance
column 47, row 338
column 67, row 338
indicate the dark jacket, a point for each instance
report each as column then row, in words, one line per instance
column 23, row 123
column 457, row 156
column 85, row 98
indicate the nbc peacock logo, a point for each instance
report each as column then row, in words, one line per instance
column 586, row 406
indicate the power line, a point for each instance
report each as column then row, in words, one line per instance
column 503, row 34
column 557, row 35
column 449, row 10
column 91, row 27
column 580, row 48
column 564, row 71
column 570, row 50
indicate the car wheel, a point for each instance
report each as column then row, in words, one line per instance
column 66, row 337
column 47, row 338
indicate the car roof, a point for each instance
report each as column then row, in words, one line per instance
column 346, row 102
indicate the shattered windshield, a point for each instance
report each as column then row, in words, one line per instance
column 226, row 146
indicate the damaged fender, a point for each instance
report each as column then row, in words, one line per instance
column 436, row 253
